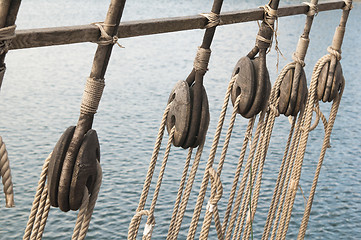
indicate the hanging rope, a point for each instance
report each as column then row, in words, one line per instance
column 41, row 207
column 6, row 175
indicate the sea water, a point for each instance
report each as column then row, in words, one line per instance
column 42, row 91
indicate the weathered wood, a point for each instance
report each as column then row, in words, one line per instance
column 4, row 8
column 88, row 33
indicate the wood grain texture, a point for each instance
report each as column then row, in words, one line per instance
column 88, row 33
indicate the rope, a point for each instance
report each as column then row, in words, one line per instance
column 202, row 59
column 213, row 19
column 212, row 209
column 134, row 222
column 38, row 205
column 41, row 207
column 6, row 175
column 203, row 189
column 151, row 168
column 312, row 9
column 6, row 35
column 105, row 39
column 325, row 145
column 92, row 94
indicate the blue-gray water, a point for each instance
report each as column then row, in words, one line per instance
column 42, row 90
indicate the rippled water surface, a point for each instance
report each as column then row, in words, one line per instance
column 42, row 90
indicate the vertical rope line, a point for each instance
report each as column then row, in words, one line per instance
column 325, row 145
column 81, row 213
column 202, row 192
column 244, row 177
column 151, row 168
column 286, row 177
column 92, row 201
column 188, row 189
column 39, row 213
column 36, row 202
column 6, row 174
column 217, row 222
column 179, row 195
column 238, row 172
column 290, row 197
column 263, row 152
column 279, row 183
column 44, row 218
column 160, row 176
column 228, row 135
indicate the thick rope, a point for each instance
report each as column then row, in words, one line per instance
column 133, row 224
column 213, row 19
column 151, row 167
column 170, row 234
column 87, row 208
column 6, row 175
column 91, row 96
column 41, row 207
column 212, row 209
column 203, row 189
column 159, row 183
column 188, row 189
column 38, row 206
column 325, row 145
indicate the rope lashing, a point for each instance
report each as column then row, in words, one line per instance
column 6, row 175
column 6, row 35
column 312, row 9
column 202, row 59
column 92, row 94
column 105, row 39
column 213, row 19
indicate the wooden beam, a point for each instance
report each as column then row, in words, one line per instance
column 89, row 33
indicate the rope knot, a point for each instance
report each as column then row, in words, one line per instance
column 213, row 19
column 202, row 59
column 105, row 39
column 274, row 110
column 334, row 52
column 148, row 228
column 269, row 12
column 348, row 5
column 312, row 9
column 297, row 59
column 6, row 35
column 92, row 94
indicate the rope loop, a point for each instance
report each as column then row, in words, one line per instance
column 213, row 19
column 148, row 229
column 269, row 12
column 202, row 59
column 105, row 39
column 92, row 94
column 297, row 59
column 334, row 52
column 348, row 5
column 274, row 110
column 312, row 9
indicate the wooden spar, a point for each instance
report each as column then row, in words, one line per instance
column 89, row 33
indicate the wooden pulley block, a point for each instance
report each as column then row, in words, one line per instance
column 290, row 105
column 204, row 122
column 263, row 88
column 85, row 169
column 244, row 85
column 180, row 112
column 56, row 164
column 327, row 90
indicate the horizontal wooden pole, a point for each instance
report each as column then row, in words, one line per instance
column 89, row 33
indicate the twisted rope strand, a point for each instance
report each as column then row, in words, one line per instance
column 6, row 175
